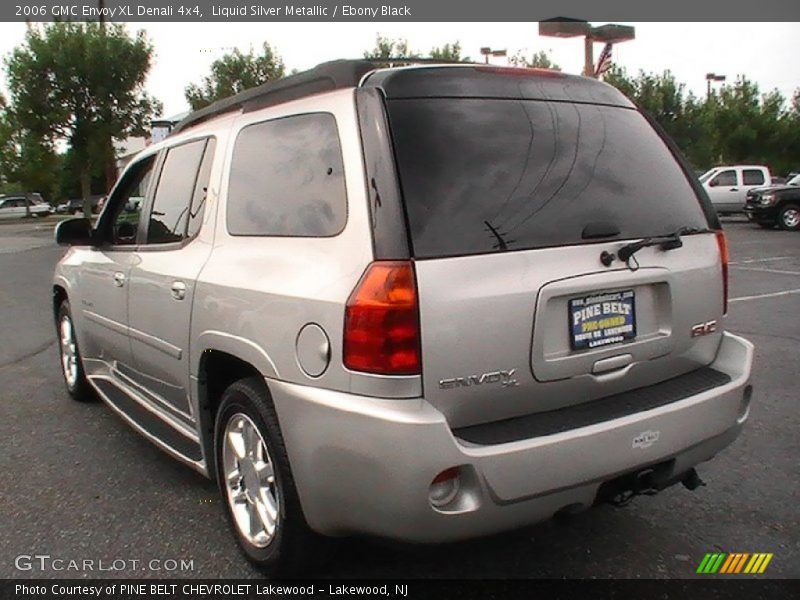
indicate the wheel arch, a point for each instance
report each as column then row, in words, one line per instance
column 59, row 295
column 216, row 370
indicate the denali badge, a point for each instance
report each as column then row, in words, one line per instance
column 504, row 378
column 646, row 439
column 704, row 328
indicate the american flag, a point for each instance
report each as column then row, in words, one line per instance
column 604, row 62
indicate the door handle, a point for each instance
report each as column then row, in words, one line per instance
column 178, row 290
column 733, row 190
column 119, row 279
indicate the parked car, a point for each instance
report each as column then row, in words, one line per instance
column 75, row 206
column 727, row 186
column 21, row 206
column 355, row 329
column 775, row 205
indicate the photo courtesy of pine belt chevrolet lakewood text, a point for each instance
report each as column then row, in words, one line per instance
column 424, row 303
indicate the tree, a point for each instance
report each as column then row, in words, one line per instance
column 386, row 48
column 737, row 124
column 540, row 60
column 235, row 72
column 449, row 52
column 82, row 83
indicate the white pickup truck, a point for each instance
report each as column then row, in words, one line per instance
column 727, row 186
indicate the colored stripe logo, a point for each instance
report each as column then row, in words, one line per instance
column 735, row 563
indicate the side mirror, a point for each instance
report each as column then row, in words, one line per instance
column 74, row 232
column 713, row 183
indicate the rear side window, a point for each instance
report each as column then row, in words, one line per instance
column 175, row 195
column 753, row 177
column 488, row 175
column 287, row 179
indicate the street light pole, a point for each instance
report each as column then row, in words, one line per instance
column 487, row 52
column 588, row 56
column 709, row 78
column 609, row 34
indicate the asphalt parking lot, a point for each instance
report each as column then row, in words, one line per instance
column 77, row 483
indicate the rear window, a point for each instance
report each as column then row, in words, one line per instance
column 482, row 176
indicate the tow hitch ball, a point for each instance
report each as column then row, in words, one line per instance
column 692, row 481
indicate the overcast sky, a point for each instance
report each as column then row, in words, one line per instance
column 765, row 52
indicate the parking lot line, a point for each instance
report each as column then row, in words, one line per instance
column 765, row 270
column 747, row 261
column 770, row 295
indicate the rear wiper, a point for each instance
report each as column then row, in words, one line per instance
column 669, row 241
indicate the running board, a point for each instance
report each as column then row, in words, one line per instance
column 162, row 431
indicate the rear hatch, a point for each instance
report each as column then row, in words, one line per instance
column 512, row 196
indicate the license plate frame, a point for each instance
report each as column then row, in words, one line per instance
column 601, row 319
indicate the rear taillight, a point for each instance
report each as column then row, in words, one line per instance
column 724, row 258
column 381, row 323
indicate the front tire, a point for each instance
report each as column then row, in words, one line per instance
column 256, row 483
column 70, row 357
column 789, row 217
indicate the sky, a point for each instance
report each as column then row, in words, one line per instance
column 765, row 52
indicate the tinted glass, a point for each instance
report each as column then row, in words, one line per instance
column 725, row 178
column 201, row 190
column 753, row 177
column 287, row 179
column 127, row 202
column 173, row 197
column 483, row 176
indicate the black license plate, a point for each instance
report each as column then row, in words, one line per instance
column 602, row 319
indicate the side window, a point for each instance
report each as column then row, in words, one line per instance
column 125, row 204
column 172, row 201
column 724, row 178
column 753, row 177
column 198, row 205
column 287, row 179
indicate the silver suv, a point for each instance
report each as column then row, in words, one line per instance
column 424, row 303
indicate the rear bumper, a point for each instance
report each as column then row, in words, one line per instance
column 364, row 465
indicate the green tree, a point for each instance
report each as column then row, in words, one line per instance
column 665, row 99
column 386, row 48
column 449, row 52
column 539, row 60
column 235, row 72
column 82, row 83
column 736, row 124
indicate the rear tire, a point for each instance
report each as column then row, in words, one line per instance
column 789, row 217
column 257, row 486
column 70, row 357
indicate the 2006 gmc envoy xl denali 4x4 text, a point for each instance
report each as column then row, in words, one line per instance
column 423, row 303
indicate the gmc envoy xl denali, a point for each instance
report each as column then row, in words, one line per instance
column 422, row 303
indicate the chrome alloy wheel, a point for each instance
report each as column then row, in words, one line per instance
column 69, row 351
column 250, row 483
column 791, row 218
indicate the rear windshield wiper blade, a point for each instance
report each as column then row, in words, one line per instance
column 669, row 241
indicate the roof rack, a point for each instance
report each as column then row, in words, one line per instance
column 324, row 77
